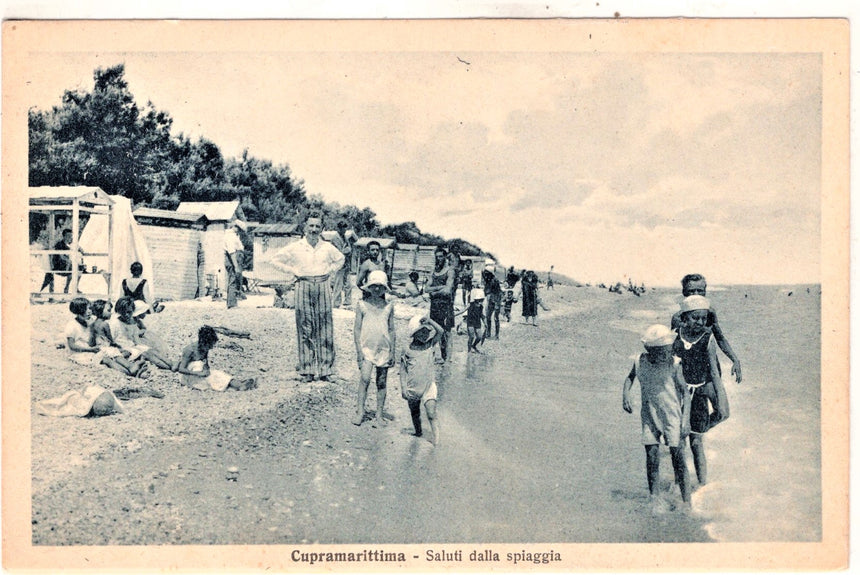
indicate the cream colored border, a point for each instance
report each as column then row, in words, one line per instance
column 828, row 37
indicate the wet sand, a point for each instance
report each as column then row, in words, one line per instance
column 535, row 446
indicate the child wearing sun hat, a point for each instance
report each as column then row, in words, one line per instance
column 418, row 373
column 475, row 319
column 696, row 346
column 374, row 342
column 665, row 410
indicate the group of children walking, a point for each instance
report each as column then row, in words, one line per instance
column 682, row 390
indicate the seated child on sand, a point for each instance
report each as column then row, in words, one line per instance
column 126, row 333
column 665, row 408
column 194, row 366
column 418, row 373
column 103, row 338
column 80, row 340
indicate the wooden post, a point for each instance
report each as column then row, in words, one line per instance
column 74, row 255
column 110, row 271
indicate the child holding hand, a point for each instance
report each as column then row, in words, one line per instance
column 697, row 348
column 665, row 408
column 374, row 343
column 418, row 373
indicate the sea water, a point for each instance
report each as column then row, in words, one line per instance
column 765, row 461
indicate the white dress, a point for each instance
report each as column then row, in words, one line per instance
column 375, row 339
column 217, row 380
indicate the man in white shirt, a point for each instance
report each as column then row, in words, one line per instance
column 234, row 252
column 313, row 261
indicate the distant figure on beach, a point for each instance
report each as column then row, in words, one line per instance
column 510, row 297
column 475, row 320
column 418, row 373
column 234, row 262
column 137, row 288
column 466, row 281
column 549, row 282
column 312, row 260
column 697, row 348
column 61, row 264
column 529, row 295
column 695, row 284
column 412, row 289
column 441, row 288
column 493, row 291
column 195, row 370
column 341, row 286
column 665, row 408
column 374, row 343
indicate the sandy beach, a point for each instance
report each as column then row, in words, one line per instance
column 535, row 446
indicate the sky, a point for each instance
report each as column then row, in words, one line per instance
column 607, row 166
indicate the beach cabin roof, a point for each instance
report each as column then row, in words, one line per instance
column 67, row 195
column 384, row 243
column 169, row 218
column 275, row 230
column 157, row 214
column 214, row 211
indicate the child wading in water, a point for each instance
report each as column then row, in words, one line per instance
column 697, row 348
column 475, row 320
column 194, row 366
column 665, row 407
column 374, row 343
column 418, row 373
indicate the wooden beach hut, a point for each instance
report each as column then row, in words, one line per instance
column 219, row 216
column 268, row 239
column 53, row 209
column 175, row 243
column 412, row 257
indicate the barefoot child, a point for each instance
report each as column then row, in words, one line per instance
column 665, row 406
column 374, row 342
column 418, row 373
column 475, row 320
column 697, row 348
column 81, row 341
column 103, row 339
column 194, row 366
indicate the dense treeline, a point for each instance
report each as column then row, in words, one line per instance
column 103, row 138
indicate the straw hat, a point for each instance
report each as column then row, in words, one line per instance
column 476, row 294
column 658, row 335
column 140, row 307
column 376, row 278
column 695, row 302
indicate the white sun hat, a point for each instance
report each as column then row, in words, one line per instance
column 695, row 302
column 658, row 335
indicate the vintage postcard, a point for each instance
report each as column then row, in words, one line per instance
column 439, row 295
